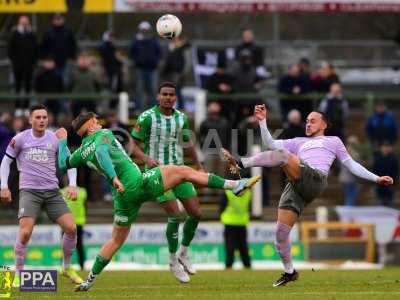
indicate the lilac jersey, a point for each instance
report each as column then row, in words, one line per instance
column 36, row 159
column 318, row 152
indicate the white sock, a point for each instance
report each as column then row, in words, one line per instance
column 230, row 184
column 288, row 268
column 183, row 251
column 172, row 258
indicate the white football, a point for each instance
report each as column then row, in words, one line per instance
column 169, row 26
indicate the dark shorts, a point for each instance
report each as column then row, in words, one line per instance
column 31, row 202
column 300, row 193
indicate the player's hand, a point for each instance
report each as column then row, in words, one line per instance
column 72, row 193
column 61, row 133
column 151, row 162
column 5, row 196
column 118, row 185
column 385, row 180
column 260, row 112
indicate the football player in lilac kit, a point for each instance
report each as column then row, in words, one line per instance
column 36, row 151
column 306, row 162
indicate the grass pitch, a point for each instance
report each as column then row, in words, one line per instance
column 246, row 284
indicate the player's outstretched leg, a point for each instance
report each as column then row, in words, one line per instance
column 286, row 220
column 119, row 235
column 174, row 175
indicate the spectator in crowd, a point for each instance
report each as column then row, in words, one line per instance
column 112, row 64
column 294, row 126
column 145, row 52
column 246, row 80
column 214, row 133
column 177, row 64
column 5, row 132
column 23, row 50
column 336, row 107
column 305, row 67
column 48, row 80
column 386, row 162
column 59, row 42
column 294, row 85
column 349, row 182
column 83, row 80
column 236, row 216
column 381, row 125
column 248, row 45
column 325, row 77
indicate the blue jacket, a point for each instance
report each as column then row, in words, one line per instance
column 146, row 53
column 381, row 127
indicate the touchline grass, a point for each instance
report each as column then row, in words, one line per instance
column 246, row 284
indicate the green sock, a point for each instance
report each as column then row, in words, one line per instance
column 189, row 230
column 215, row 181
column 172, row 234
column 99, row 264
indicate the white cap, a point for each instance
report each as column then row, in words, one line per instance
column 144, row 25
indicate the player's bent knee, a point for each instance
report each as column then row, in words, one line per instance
column 281, row 155
column 70, row 230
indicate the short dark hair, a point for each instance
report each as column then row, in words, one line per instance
column 82, row 119
column 325, row 118
column 166, row 84
column 37, row 107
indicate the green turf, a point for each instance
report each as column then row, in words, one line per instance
column 326, row 285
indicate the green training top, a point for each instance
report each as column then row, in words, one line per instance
column 102, row 152
column 162, row 135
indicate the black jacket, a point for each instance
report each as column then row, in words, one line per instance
column 23, row 49
column 60, row 43
column 109, row 58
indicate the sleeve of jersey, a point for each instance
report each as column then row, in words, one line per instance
column 186, row 133
column 65, row 159
column 13, row 147
column 138, row 132
column 267, row 138
column 105, row 161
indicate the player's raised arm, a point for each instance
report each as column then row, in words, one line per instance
column 356, row 168
column 260, row 112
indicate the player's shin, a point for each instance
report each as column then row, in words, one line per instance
column 283, row 246
column 172, row 237
column 272, row 158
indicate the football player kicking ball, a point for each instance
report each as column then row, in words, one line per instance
column 35, row 151
column 306, row 162
column 130, row 187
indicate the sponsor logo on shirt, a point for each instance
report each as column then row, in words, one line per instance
column 88, row 150
column 36, row 154
column 312, row 144
column 121, row 219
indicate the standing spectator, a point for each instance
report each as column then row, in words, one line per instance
column 386, row 162
column 325, row 77
column 145, row 52
column 78, row 210
column 293, row 127
column 294, row 85
column 214, row 133
column 235, row 216
column 346, row 178
column 248, row 44
column 5, row 133
column 176, row 64
column 59, row 42
column 22, row 50
column 381, row 126
column 246, row 80
column 49, row 81
column 83, row 80
column 336, row 107
column 111, row 63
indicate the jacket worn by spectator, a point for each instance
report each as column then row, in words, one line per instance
column 381, row 127
column 60, row 43
column 145, row 52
